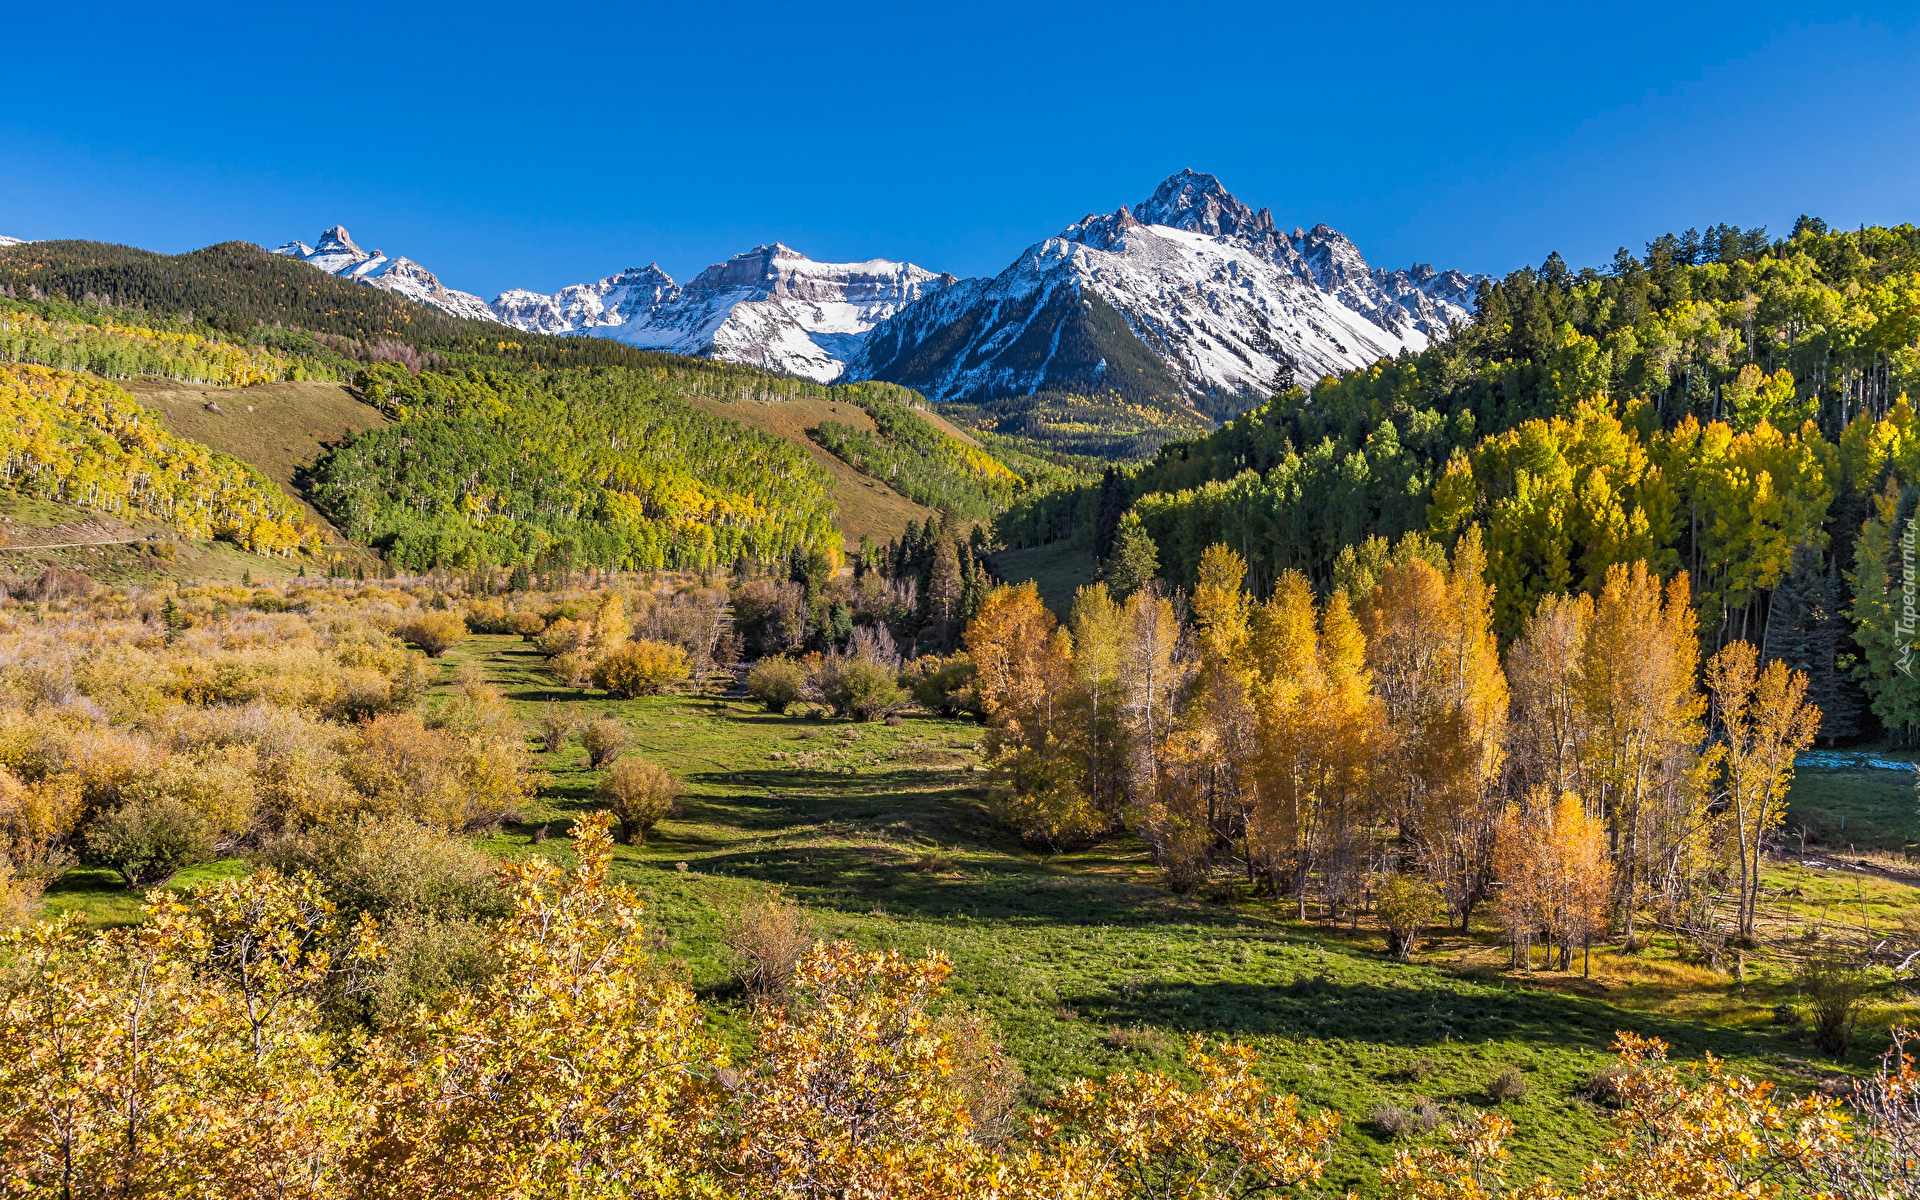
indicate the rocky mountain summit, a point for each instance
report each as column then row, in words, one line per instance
column 1189, row 293
column 1191, row 288
column 771, row 307
column 336, row 254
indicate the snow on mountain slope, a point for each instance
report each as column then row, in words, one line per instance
column 337, row 255
column 770, row 307
column 1213, row 293
column 12, row 241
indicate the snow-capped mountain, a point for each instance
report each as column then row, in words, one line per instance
column 1191, row 287
column 337, row 255
column 12, row 241
column 771, row 307
column 1190, row 293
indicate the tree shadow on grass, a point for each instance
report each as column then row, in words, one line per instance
column 1419, row 1014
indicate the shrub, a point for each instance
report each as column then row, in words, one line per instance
column 1406, row 905
column 943, row 685
column 988, row 1081
column 1141, row 1039
column 148, row 841
column 489, row 616
column 527, row 624
column 434, row 632
column 1507, row 1084
column 1607, row 1086
column 776, row 682
column 452, row 779
column 1393, row 1120
column 392, row 864
column 1833, row 987
column 574, row 670
column 556, row 726
column 766, row 941
column 640, row 795
column 427, row 957
column 640, row 668
column 563, row 636
column 865, row 691
column 604, row 738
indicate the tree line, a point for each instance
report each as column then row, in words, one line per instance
column 609, row 468
column 1314, row 746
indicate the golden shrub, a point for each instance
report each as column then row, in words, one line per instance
column 640, row 795
column 640, row 668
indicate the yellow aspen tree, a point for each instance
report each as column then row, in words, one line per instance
column 1643, row 711
column 1764, row 721
column 1547, row 730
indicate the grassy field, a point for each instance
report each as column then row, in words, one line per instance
column 30, row 522
column 1868, row 809
column 1086, row 964
column 1059, row 569
column 867, row 506
column 277, row 428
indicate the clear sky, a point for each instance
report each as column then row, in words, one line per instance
column 541, row 145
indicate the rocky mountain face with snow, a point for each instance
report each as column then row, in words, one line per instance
column 11, row 241
column 337, row 255
column 771, row 307
column 1190, row 293
column 1191, row 288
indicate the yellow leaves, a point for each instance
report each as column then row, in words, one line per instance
column 580, row 1072
column 1229, row 1137
column 87, row 442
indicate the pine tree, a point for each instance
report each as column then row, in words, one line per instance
column 1107, row 514
column 1134, row 560
column 944, row 591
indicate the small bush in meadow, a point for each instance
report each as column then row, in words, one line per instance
column 776, row 682
column 865, row 691
column 640, row 795
column 149, row 841
column 766, row 941
column 1507, row 1084
column 640, row 668
column 604, row 738
column 1407, row 905
column 556, row 726
column 434, row 632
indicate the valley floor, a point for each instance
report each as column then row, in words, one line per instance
column 1086, row 964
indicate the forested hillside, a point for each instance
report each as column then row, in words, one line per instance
column 603, row 466
column 511, row 448
column 1722, row 403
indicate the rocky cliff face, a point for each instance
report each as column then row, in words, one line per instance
column 1191, row 292
column 1202, row 285
column 771, row 307
column 336, row 254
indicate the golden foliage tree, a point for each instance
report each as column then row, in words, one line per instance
column 1764, row 721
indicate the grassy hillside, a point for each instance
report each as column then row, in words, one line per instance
column 282, row 429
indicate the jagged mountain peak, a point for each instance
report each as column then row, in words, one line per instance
column 1191, row 291
column 338, row 238
column 1200, row 203
column 339, row 255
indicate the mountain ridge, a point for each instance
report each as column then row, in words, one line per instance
column 1191, row 293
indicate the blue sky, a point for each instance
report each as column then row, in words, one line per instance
column 539, row 146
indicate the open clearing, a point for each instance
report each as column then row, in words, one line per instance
column 1087, row 964
column 278, row 428
column 867, row 506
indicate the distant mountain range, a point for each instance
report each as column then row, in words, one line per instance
column 12, row 241
column 1189, row 293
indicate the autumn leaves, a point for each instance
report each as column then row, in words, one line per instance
column 1317, row 748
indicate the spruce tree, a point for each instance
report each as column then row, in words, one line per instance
column 1134, row 560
